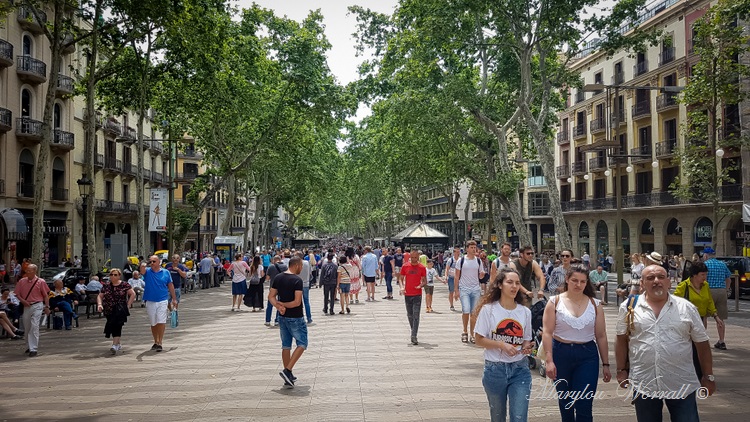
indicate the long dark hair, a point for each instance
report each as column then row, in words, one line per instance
column 494, row 292
column 349, row 252
column 256, row 263
column 588, row 290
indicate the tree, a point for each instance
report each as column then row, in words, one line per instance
column 712, row 93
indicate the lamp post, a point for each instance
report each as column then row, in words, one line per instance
column 84, row 189
column 610, row 144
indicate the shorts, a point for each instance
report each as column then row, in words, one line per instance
column 429, row 290
column 469, row 299
column 484, row 279
column 451, row 284
column 369, row 279
column 397, row 270
column 292, row 328
column 672, row 273
column 157, row 312
column 177, row 294
column 720, row 300
column 345, row 287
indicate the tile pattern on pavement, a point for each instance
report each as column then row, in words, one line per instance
column 222, row 365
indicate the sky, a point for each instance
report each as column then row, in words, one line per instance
column 338, row 26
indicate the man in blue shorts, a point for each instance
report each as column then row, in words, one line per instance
column 286, row 296
column 469, row 271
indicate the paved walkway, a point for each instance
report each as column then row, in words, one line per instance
column 220, row 365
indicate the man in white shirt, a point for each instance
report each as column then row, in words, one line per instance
column 654, row 350
column 502, row 261
column 136, row 282
column 469, row 270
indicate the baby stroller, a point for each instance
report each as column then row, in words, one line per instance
column 537, row 315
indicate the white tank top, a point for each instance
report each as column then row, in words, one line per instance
column 572, row 329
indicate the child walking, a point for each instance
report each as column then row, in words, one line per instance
column 503, row 328
column 432, row 274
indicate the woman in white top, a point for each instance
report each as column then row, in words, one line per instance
column 503, row 328
column 239, row 270
column 572, row 321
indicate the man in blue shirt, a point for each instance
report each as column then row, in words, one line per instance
column 205, row 271
column 157, row 291
column 718, row 280
column 178, row 272
column 370, row 271
column 266, row 257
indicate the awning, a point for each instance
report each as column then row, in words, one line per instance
column 746, row 213
column 15, row 224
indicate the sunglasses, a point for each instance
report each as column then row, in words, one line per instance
column 113, row 274
column 153, row 262
column 566, row 256
column 529, row 253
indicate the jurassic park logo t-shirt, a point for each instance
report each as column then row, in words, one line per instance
column 509, row 326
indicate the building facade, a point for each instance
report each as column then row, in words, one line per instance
column 650, row 128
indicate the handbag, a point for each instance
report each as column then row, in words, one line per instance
column 174, row 319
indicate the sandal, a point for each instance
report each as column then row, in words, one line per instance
column 341, row 313
column 472, row 340
column 464, row 338
column 348, row 311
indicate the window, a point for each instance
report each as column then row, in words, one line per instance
column 25, row 103
column 643, row 182
column 538, row 203
column 125, row 193
column 644, row 139
column 670, row 131
column 536, row 177
column 599, row 80
column 28, row 46
column 57, row 117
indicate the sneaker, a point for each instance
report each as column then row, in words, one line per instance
column 414, row 341
column 155, row 346
column 286, row 375
column 32, row 354
column 113, row 349
column 386, row 297
column 720, row 345
column 332, row 313
column 159, row 348
column 275, row 324
column 232, row 309
column 267, row 324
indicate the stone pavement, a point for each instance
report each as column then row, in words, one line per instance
column 222, row 366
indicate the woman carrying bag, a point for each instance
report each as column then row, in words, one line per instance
column 254, row 297
column 114, row 300
column 239, row 270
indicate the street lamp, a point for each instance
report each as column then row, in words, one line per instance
column 84, row 189
column 615, row 145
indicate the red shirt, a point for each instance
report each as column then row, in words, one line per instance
column 38, row 287
column 413, row 278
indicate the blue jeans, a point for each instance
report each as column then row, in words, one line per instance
column 469, row 298
column 269, row 309
column 306, row 301
column 507, row 385
column 577, row 372
column 292, row 328
column 683, row 410
column 389, row 283
column 67, row 311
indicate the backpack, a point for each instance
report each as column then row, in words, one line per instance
column 329, row 273
column 479, row 266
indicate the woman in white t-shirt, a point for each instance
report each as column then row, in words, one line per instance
column 574, row 339
column 503, row 328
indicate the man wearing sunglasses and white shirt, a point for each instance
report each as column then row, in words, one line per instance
column 157, row 292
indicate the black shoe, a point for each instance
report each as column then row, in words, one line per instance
column 414, row 341
column 155, row 346
column 332, row 313
column 32, row 354
column 348, row 311
column 159, row 348
column 26, row 351
column 720, row 345
column 18, row 332
column 287, row 376
column 386, row 297
column 16, row 337
column 325, row 311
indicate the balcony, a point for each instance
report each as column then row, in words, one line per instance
column 6, row 54
column 643, row 153
column 666, row 149
column 641, row 110
column 156, row 146
column 185, row 177
column 666, row 101
column 28, row 130
column 28, row 21
column 147, row 174
column 113, row 127
column 59, row 194
column 112, row 165
column 562, row 172
column 598, row 125
column 109, row 206
column 578, row 168
column 730, row 193
column 580, row 96
column 666, row 56
column 31, row 70
column 6, row 120
column 189, row 153
column 579, row 132
column 597, row 163
column 157, row 178
column 618, row 78
column 98, row 160
column 62, row 141
column 65, row 85
column 68, row 45
column 640, row 68
column 128, row 169
column 563, row 137
column 622, row 120
column 25, row 190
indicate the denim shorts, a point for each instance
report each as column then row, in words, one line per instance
column 345, row 287
column 292, row 328
column 469, row 299
column 451, row 284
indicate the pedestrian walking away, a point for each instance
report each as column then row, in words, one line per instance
column 370, row 272
column 389, row 269
column 33, row 293
column 255, row 285
column 469, row 271
column 205, row 266
column 157, row 293
column 355, row 275
column 286, row 296
column 719, row 278
column 114, row 301
column 239, row 271
column 329, row 281
column 574, row 338
column 655, row 333
column 412, row 279
column 504, row 330
column 306, row 275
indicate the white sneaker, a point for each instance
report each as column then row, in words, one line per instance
column 113, row 349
